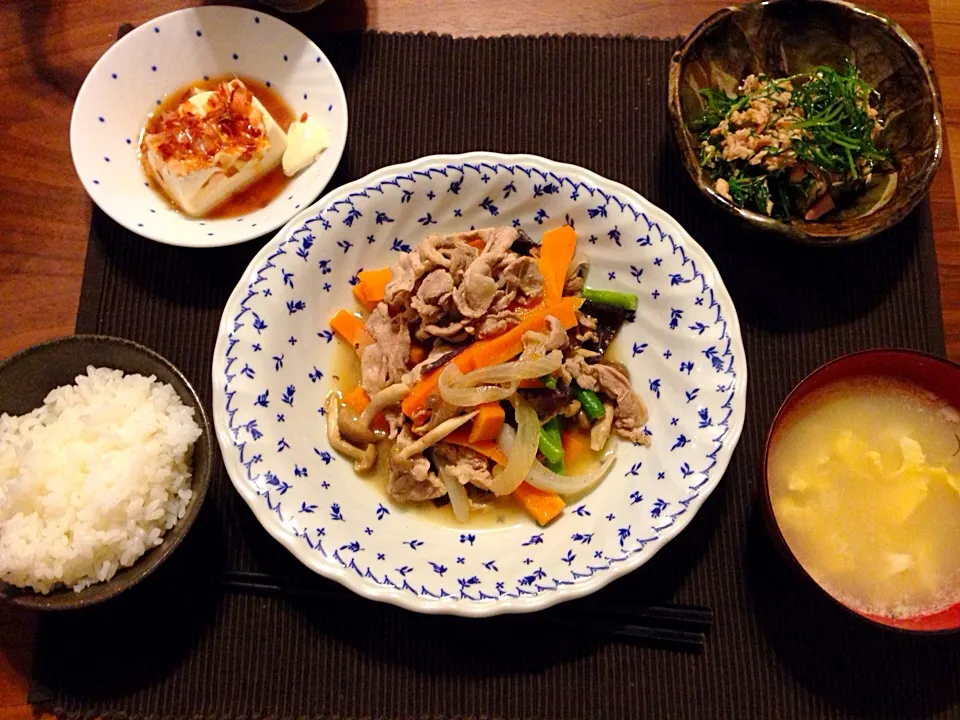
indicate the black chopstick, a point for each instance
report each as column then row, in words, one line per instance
column 676, row 627
column 241, row 580
column 684, row 617
column 637, row 632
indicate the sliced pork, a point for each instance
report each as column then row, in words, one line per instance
column 466, row 465
column 535, row 343
column 463, row 286
column 411, row 480
column 385, row 362
column 631, row 413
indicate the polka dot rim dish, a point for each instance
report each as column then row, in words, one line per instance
column 162, row 56
column 273, row 364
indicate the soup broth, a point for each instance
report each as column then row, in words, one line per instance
column 865, row 485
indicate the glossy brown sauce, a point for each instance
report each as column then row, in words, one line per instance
column 258, row 194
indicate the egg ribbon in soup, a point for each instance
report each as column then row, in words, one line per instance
column 865, row 486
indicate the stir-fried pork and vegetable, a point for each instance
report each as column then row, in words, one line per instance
column 796, row 146
column 484, row 373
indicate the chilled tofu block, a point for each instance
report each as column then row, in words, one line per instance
column 212, row 146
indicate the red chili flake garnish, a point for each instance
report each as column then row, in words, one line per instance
column 231, row 124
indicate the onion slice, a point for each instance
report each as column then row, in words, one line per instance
column 454, row 391
column 457, row 494
column 520, row 446
column 514, row 371
column 488, row 384
column 547, row 480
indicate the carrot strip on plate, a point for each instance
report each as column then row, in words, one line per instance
column 359, row 292
column 416, row 401
column 374, row 283
column 556, row 254
column 418, row 353
column 494, row 350
column 351, row 328
column 574, row 443
column 531, row 384
column 487, row 423
column 543, row 506
column 357, row 400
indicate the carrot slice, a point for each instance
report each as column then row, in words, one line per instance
column 508, row 345
column 504, row 347
column 487, row 422
column 371, row 286
column 574, row 443
column 360, row 293
column 357, row 400
column 494, row 350
column 416, row 401
column 532, row 384
column 477, row 243
column 487, row 448
column 374, row 283
column 351, row 328
column 418, row 353
column 543, row 506
column 556, row 253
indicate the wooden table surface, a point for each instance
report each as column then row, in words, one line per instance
column 48, row 46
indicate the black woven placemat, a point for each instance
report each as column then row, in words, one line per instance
column 183, row 645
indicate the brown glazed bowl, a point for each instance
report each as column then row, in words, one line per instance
column 926, row 372
column 25, row 380
column 783, row 37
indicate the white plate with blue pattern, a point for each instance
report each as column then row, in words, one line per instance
column 272, row 366
column 162, row 56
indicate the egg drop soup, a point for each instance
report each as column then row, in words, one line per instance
column 864, row 478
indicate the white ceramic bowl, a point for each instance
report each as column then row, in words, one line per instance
column 274, row 358
column 162, row 56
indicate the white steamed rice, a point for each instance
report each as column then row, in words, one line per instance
column 92, row 480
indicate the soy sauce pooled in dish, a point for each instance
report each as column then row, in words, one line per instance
column 226, row 146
